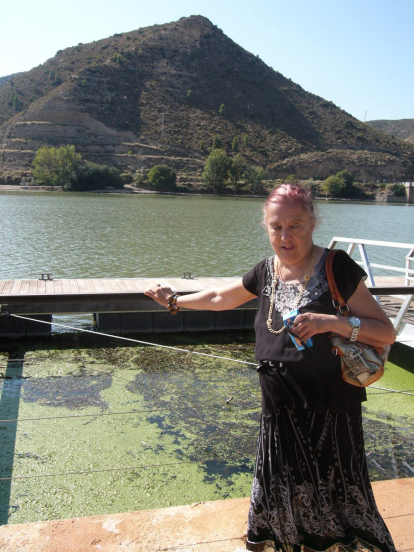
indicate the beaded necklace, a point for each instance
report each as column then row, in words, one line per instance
column 276, row 277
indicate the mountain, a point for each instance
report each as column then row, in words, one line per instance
column 153, row 96
column 7, row 78
column 401, row 128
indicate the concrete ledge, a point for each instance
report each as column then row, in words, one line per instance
column 201, row 527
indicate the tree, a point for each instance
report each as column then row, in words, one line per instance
column 217, row 142
column 237, row 166
column 347, row 178
column 162, row 178
column 254, row 176
column 53, row 167
column 246, row 139
column 235, row 144
column 291, row 179
column 333, row 185
column 92, row 176
column 222, row 109
column 215, row 170
column 398, row 189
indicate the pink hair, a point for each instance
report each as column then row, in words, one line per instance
column 294, row 193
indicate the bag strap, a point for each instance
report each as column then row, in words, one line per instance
column 337, row 300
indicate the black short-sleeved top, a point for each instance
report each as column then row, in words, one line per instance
column 301, row 379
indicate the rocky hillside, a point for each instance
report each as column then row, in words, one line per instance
column 154, row 95
column 7, row 78
column 401, row 128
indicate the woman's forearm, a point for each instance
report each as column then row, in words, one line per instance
column 372, row 332
column 225, row 298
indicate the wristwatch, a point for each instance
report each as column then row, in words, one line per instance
column 355, row 324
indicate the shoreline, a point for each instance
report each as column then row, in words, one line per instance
column 5, row 188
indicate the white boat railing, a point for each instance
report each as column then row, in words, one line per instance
column 403, row 330
column 408, row 271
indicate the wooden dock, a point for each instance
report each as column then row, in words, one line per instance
column 120, row 306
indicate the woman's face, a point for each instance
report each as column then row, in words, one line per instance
column 290, row 230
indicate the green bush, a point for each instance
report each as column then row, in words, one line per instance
column 92, row 176
column 118, row 58
column 217, row 143
column 162, row 178
column 235, row 144
column 291, row 179
column 398, row 190
column 334, row 185
column 139, row 179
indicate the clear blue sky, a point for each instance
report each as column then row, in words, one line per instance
column 357, row 53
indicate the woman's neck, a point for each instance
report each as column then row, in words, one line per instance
column 295, row 273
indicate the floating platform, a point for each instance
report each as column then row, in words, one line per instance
column 119, row 305
column 199, row 527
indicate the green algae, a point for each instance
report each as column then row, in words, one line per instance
column 186, row 433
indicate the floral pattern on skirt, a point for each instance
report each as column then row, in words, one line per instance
column 311, row 487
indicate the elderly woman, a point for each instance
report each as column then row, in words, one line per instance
column 311, row 488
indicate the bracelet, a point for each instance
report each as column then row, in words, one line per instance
column 172, row 303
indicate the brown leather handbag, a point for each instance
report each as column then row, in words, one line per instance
column 361, row 364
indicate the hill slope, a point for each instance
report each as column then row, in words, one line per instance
column 108, row 98
column 401, row 128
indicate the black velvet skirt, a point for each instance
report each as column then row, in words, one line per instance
column 311, row 488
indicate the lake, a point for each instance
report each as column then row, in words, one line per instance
column 115, row 235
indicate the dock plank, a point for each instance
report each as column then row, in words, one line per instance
column 82, row 285
column 16, row 287
column 41, row 286
column 57, row 286
column 90, row 286
column 33, row 287
column 74, row 285
column 24, row 288
column 50, row 287
column 66, row 287
column 98, row 285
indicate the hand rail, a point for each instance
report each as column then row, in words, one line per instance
column 409, row 258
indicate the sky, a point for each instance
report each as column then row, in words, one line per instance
column 357, row 53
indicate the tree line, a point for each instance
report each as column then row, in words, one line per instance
column 65, row 167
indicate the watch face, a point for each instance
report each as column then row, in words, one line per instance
column 354, row 321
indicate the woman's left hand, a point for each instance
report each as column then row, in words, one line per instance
column 308, row 324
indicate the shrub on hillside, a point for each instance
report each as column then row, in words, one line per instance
column 162, row 178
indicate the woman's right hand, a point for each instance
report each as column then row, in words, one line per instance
column 159, row 294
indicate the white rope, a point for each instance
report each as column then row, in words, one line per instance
column 135, row 340
column 175, row 348
column 390, row 390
